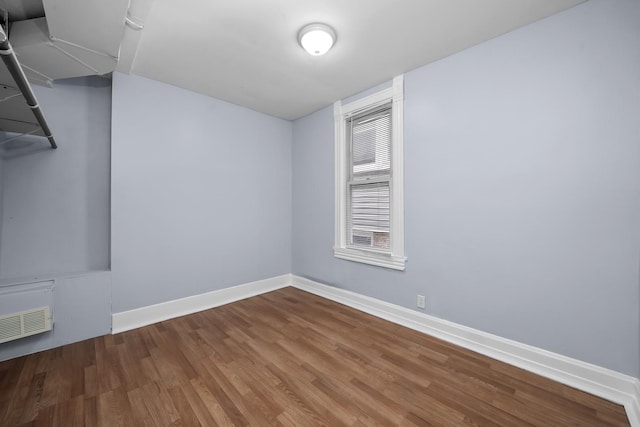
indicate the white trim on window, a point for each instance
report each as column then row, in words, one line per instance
column 393, row 258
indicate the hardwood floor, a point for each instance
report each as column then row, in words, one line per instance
column 285, row 358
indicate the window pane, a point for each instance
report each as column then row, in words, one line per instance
column 369, row 215
column 371, row 143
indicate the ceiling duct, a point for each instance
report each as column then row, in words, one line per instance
column 53, row 39
column 76, row 38
column 46, row 58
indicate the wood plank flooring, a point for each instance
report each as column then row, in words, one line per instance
column 286, row 358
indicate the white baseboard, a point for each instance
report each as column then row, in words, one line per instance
column 602, row 382
column 633, row 405
column 132, row 319
column 605, row 383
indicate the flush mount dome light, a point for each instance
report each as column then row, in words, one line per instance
column 317, row 39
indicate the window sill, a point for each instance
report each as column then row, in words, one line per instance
column 373, row 258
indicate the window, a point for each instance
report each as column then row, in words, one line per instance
column 369, row 179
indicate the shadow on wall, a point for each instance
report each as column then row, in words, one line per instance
column 97, row 82
column 23, row 146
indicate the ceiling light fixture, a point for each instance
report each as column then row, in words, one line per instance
column 317, row 38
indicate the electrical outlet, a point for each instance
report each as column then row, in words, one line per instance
column 421, row 301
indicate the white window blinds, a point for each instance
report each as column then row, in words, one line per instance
column 369, row 219
column 371, row 143
column 369, row 207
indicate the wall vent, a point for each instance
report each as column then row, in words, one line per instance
column 24, row 324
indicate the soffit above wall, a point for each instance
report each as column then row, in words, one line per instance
column 20, row 10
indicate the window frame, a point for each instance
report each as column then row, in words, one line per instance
column 394, row 258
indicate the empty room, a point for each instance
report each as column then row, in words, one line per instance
column 337, row 213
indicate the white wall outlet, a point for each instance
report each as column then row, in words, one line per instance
column 421, row 301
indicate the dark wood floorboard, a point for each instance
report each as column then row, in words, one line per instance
column 286, row 358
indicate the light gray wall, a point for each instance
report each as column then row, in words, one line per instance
column 522, row 175
column 56, row 202
column 80, row 309
column 201, row 194
column 55, row 218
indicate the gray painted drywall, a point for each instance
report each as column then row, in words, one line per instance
column 56, row 202
column 55, row 218
column 80, row 309
column 522, row 188
column 201, row 194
